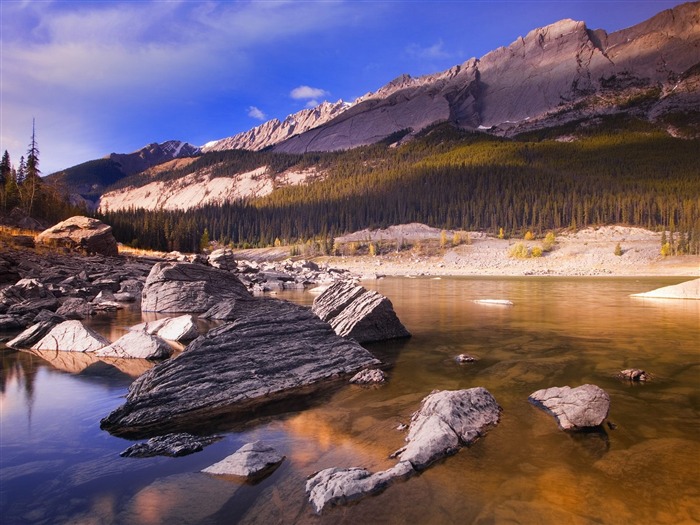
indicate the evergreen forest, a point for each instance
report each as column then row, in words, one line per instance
column 621, row 171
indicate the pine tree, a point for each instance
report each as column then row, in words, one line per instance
column 32, row 180
column 5, row 176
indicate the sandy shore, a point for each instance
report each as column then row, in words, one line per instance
column 588, row 252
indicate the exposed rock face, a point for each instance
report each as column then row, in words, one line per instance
column 579, row 408
column 83, row 233
column 252, row 460
column 173, row 445
column 340, row 486
column 272, row 352
column 32, row 335
column 686, row 290
column 25, row 293
column 357, row 313
column 137, row 345
column 71, row 336
column 182, row 328
column 369, row 377
column 75, row 308
column 274, row 131
column 223, row 259
column 188, row 287
column 446, row 421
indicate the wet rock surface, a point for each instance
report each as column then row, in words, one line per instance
column 357, row 313
column 174, row 445
column 137, row 345
column 253, row 460
column 369, row 377
column 272, row 352
column 579, row 408
column 181, row 328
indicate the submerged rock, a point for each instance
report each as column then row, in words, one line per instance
column 446, row 421
column 634, row 375
column 358, row 313
column 71, row 336
column 579, row 408
column 137, row 345
column 189, row 287
column 275, row 351
column 83, row 233
column 174, row 445
column 253, row 460
column 686, row 290
column 369, row 377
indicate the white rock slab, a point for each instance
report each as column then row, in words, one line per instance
column 252, row 459
column 71, row 336
column 137, row 345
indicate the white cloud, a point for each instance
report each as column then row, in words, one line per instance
column 435, row 51
column 311, row 103
column 307, row 92
column 256, row 113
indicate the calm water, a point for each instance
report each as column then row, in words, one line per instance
column 56, row 466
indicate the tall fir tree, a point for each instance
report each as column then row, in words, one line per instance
column 32, row 180
column 5, row 176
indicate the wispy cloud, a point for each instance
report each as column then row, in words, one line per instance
column 256, row 113
column 308, row 92
column 435, row 51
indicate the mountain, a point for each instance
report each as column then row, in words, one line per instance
column 88, row 180
column 273, row 131
column 555, row 74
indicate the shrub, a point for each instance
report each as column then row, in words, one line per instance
column 618, row 249
column 549, row 241
column 666, row 249
column 519, row 251
column 536, row 251
column 529, row 236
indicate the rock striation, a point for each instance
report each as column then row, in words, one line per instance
column 81, row 233
column 71, row 336
column 189, row 287
column 358, row 313
column 578, row 408
column 137, row 345
column 274, row 351
column 174, row 445
column 253, row 460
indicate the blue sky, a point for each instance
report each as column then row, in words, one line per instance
column 113, row 76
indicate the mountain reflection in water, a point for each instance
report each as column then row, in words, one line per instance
column 56, row 466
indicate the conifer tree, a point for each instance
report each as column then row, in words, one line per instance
column 5, row 176
column 32, row 180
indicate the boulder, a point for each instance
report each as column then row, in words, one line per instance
column 137, row 345
column 253, row 460
column 189, row 287
column 446, row 421
column 25, row 293
column 686, row 290
column 173, row 445
column 274, row 351
column 634, row 375
column 579, row 408
column 357, row 313
column 340, row 486
column 368, row 377
column 223, row 259
column 75, row 308
column 182, row 328
column 82, row 233
column 71, row 336
column 32, row 335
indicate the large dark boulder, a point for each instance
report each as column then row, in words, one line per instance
column 275, row 351
column 358, row 313
column 189, row 287
column 81, row 233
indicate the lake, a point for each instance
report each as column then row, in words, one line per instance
column 57, row 466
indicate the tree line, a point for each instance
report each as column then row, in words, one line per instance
column 453, row 180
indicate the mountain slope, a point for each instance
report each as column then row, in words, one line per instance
column 558, row 73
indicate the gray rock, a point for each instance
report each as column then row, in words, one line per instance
column 340, row 486
column 173, row 445
column 125, row 297
column 465, row 358
column 446, row 421
column 75, row 308
column 32, row 306
column 25, row 293
column 579, row 408
column 181, row 328
column 223, row 259
column 253, row 460
column 275, row 351
column 71, row 336
column 357, row 313
column 189, row 287
column 32, row 335
column 634, row 375
column 137, row 345
column 369, row 377
column 83, row 233
column 11, row 322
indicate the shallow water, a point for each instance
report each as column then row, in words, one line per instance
column 56, row 466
